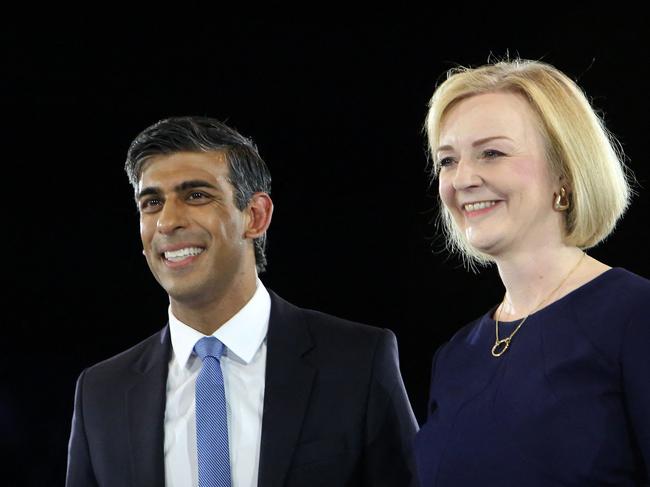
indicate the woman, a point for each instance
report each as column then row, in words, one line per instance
column 552, row 385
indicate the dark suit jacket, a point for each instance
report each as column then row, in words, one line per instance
column 335, row 409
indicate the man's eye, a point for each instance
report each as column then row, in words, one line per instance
column 197, row 195
column 149, row 204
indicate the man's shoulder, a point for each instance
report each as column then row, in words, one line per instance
column 322, row 325
column 133, row 357
column 328, row 323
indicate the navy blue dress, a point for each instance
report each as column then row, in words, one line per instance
column 567, row 404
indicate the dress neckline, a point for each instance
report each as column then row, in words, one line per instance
column 570, row 295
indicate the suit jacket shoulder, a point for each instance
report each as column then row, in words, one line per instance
column 138, row 358
column 335, row 409
column 117, row 435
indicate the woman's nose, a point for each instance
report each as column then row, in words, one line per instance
column 466, row 175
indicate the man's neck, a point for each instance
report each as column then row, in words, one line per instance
column 207, row 317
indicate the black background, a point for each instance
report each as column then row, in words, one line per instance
column 336, row 108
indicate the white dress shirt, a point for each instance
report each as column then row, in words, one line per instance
column 243, row 364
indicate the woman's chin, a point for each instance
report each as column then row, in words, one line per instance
column 486, row 244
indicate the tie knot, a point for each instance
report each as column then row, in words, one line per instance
column 209, row 347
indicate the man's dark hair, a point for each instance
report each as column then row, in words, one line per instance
column 248, row 173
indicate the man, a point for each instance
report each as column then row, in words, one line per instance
column 290, row 397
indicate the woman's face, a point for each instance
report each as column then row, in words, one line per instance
column 494, row 177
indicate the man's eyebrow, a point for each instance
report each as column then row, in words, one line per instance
column 149, row 190
column 194, row 183
column 184, row 186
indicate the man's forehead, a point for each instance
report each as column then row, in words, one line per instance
column 171, row 170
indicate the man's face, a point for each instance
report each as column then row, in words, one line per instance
column 193, row 235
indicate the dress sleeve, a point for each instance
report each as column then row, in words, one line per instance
column 635, row 358
column 432, row 405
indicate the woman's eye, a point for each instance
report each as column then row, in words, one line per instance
column 446, row 161
column 491, row 153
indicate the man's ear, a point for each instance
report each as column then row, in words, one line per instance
column 259, row 211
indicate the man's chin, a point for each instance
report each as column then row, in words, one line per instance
column 184, row 292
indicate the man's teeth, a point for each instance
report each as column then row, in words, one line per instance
column 479, row 206
column 180, row 254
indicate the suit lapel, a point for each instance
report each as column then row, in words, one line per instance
column 286, row 392
column 146, row 409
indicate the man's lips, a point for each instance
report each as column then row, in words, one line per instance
column 183, row 253
column 179, row 254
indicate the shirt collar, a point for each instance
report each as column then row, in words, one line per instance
column 242, row 334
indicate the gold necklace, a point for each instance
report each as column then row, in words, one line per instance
column 501, row 345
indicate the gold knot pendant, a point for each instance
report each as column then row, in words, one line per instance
column 500, row 346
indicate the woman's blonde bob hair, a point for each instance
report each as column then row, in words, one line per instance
column 579, row 147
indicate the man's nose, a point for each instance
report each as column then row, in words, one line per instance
column 171, row 217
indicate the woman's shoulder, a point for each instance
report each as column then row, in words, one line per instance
column 632, row 280
column 617, row 287
column 624, row 275
column 608, row 308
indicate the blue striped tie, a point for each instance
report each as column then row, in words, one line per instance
column 211, row 419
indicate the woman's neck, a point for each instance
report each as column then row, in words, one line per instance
column 535, row 279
